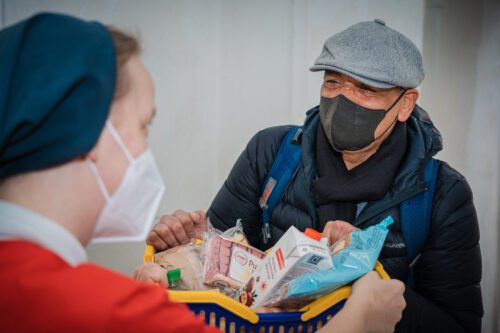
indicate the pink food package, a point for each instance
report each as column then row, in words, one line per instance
column 229, row 263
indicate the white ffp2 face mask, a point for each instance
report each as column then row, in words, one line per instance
column 129, row 212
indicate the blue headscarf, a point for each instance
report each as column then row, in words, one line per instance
column 57, row 80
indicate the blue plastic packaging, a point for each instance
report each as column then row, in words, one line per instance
column 350, row 263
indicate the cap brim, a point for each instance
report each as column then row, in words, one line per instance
column 365, row 80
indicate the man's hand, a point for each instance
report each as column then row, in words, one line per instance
column 335, row 230
column 177, row 229
column 151, row 273
column 380, row 302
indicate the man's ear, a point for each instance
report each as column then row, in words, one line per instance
column 408, row 102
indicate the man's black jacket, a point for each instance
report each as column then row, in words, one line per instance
column 446, row 296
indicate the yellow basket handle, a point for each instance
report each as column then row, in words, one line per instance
column 215, row 297
column 149, row 254
column 205, row 296
column 323, row 303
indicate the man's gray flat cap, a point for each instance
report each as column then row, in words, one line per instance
column 374, row 54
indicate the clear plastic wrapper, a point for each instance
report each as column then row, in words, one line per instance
column 354, row 256
column 236, row 234
column 188, row 259
column 229, row 260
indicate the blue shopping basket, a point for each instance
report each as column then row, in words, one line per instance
column 228, row 315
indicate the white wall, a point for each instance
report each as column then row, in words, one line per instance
column 225, row 69
column 461, row 91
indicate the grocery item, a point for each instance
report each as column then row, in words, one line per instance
column 174, row 278
column 186, row 258
column 293, row 255
column 235, row 233
column 229, row 263
column 354, row 256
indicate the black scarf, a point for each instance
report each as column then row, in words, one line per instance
column 337, row 190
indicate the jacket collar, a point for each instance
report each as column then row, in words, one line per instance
column 424, row 141
column 20, row 223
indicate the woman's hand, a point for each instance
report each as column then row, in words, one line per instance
column 375, row 306
column 380, row 301
column 151, row 273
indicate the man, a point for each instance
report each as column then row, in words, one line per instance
column 364, row 153
column 76, row 103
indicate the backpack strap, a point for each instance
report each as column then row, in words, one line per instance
column 282, row 171
column 415, row 212
column 416, row 217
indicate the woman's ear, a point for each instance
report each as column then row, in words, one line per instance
column 408, row 102
column 92, row 155
column 94, row 152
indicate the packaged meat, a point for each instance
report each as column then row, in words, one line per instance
column 229, row 263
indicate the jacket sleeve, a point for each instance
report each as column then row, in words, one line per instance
column 239, row 196
column 447, row 293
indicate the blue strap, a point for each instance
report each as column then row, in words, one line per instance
column 415, row 212
column 285, row 164
column 416, row 217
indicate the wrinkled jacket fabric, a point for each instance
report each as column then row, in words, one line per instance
column 446, row 296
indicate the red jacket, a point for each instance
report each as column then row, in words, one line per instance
column 42, row 293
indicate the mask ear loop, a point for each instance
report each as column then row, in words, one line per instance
column 93, row 167
column 119, row 141
column 98, row 177
column 395, row 119
column 396, row 101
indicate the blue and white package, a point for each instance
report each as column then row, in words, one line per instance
column 356, row 259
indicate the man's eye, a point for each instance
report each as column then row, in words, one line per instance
column 367, row 90
column 333, row 83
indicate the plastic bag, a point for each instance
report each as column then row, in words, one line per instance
column 236, row 234
column 228, row 259
column 357, row 257
column 187, row 258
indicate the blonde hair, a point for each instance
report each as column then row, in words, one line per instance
column 126, row 46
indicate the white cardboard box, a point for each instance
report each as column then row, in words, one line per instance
column 293, row 255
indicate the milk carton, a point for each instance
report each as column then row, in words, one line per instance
column 293, row 255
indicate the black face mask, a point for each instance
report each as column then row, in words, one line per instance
column 349, row 126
